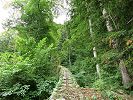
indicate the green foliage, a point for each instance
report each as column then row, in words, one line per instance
column 36, row 18
column 32, row 48
column 81, row 42
column 14, row 70
column 7, row 41
column 24, row 76
column 27, row 70
column 16, row 89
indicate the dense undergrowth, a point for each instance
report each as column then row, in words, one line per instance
column 31, row 50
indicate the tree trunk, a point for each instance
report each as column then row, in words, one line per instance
column 94, row 50
column 69, row 56
column 125, row 76
column 126, row 80
column 108, row 24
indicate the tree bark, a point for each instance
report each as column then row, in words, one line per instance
column 94, row 50
column 125, row 76
column 126, row 80
column 108, row 24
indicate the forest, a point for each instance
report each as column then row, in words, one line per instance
column 95, row 45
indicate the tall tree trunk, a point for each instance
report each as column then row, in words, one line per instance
column 108, row 24
column 69, row 56
column 94, row 50
column 126, row 80
column 125, row 76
